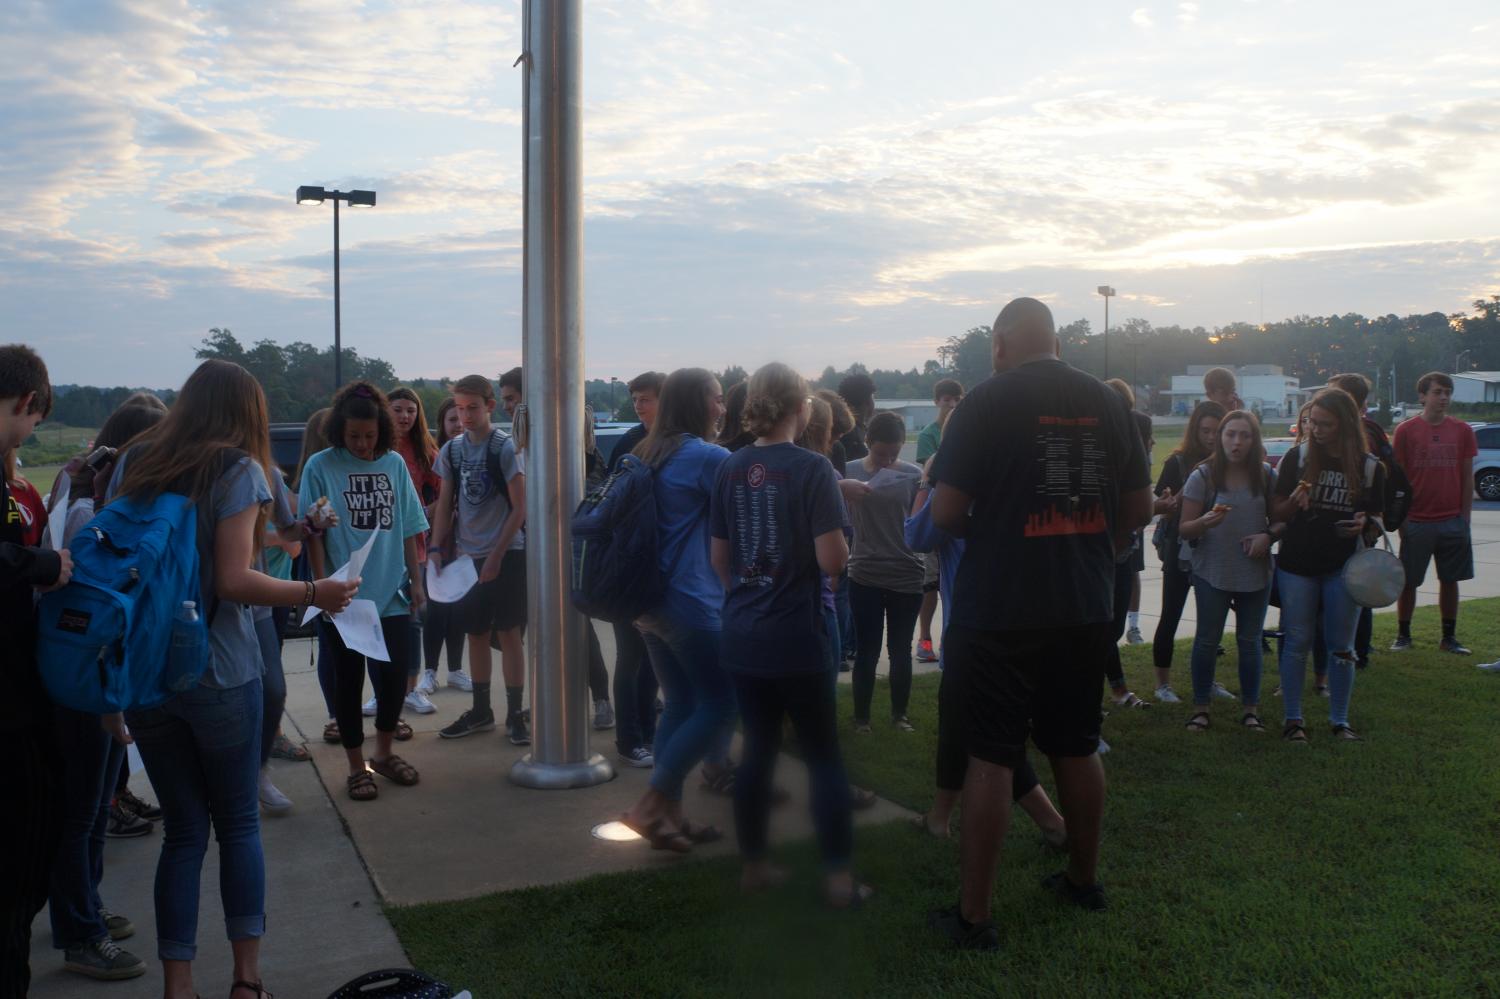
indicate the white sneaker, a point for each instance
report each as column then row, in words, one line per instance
column 460, row 680
column 418, row 702
column 272, row 801
column 1493, row 667
column 369, row 709
column 1222, row 692
column 1166, row 695
column 1133, row 637
column 427, row 682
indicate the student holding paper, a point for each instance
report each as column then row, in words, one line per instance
column 885, row 575
column 380, row 520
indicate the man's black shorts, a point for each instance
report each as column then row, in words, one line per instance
column 500, row 604
column 1046, row 684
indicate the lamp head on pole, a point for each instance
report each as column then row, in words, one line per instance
column 309, row 195
column 361, row 199
column 1106, row 291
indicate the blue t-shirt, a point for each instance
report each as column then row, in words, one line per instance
column 683, row 488
column 367, row 495
column 771, row 503
column 922, row 535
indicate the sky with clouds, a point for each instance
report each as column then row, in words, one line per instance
column 813, row 182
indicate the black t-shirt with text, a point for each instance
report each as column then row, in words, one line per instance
column 1311, row 545
column 1045, row 451
column 771, row 503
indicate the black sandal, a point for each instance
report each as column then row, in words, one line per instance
column 256, row 987
column 1199, row 722
column 701, row 834
column 677, row 841
column 1251, row 720
column 1294, row 731
column 1345, row 733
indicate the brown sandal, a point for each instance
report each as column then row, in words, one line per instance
column 331, row 733
column 403, row 731
column 362, row 786
column 256, row 987
column 394, row 768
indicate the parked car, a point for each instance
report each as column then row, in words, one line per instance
column 1276, row 447
column 1487, row 461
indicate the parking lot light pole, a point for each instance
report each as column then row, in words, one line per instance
column 1108, row 293
column 310, row 195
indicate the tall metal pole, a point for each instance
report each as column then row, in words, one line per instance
column 1106, row 336
column 338, row 333
column 556, row 652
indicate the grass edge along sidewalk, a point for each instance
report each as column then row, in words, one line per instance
column 1236, row 865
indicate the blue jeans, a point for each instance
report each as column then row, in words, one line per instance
column 91, row 765
column 699, row 715
column 1300, row 596
column 1249, row 622
column 202, row 753
column 273, row 685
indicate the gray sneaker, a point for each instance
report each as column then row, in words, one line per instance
column 604, row 715
column 1401, row 644
column 119, row 927
column 1166, row 695
column 103, row 959
column 1222, row 692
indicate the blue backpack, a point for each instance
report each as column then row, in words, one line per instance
column 617, row 575
column 110, row 640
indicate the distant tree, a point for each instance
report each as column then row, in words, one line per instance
column 969, row 356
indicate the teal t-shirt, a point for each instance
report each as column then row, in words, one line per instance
column 368, row 496
column 927, row 442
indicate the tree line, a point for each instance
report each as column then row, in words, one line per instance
column 296, row 376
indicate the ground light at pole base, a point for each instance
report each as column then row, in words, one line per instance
column 615, row 832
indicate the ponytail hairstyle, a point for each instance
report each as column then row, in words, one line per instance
column 682, row 409
column 361, row 401
column 221, row 406
column 1218, row 462
column 818, row 436
column 314, row 439
column 422, row 444
column 775, row 392
column 1348, row 449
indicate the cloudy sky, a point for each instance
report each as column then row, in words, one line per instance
column 816, row 182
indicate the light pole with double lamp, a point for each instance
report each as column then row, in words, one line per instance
column 1108, row 293
column 309, row 195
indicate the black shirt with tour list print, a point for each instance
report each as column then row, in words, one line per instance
column 1045, row 451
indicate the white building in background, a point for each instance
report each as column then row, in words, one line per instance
column 1265, row 388
column 1476, row 386
column 915, row 413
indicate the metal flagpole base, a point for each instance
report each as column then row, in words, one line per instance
column 561, row 776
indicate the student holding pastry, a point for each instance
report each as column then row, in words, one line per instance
column 1226, row 521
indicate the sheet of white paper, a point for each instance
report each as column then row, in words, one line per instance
column 359, row 627
column 888, row 478
column 450, row 585
column 349, row 570
column 57, row 519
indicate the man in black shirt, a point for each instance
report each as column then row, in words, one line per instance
column 1043, row 474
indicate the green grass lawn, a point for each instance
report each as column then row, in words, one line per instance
column 1236, row 865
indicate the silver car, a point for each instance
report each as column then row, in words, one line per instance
column 1487, row 461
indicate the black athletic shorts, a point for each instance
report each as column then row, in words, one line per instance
column 1045, row 684
column 500, row 604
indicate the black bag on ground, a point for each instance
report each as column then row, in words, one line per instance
column 394, row 983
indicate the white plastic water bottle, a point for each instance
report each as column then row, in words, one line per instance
column 189, row 651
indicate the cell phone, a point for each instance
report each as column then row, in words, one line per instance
column 99, row 456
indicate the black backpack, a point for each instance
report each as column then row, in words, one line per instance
column 1396, row 503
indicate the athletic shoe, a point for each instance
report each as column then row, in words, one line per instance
column 902, row 725
column 640, row 756
column 125, row 824
column 604, row 715
column 1166, row 695
column 1322, row 691
column 272, row 801
column 1401, row 644
column 1454, row 646
column 469, row 723
column 418, row 702
column 1493, row 667
column 925, row 653
column 981, row 936
column 103, row 959
column 119, row 927
column 427, row 682
column 519, row 734
column 1090, row 897
column 1133, row 637
column 128, row 800
column 459, row 680
column 371, row 706
column 1222, row 692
